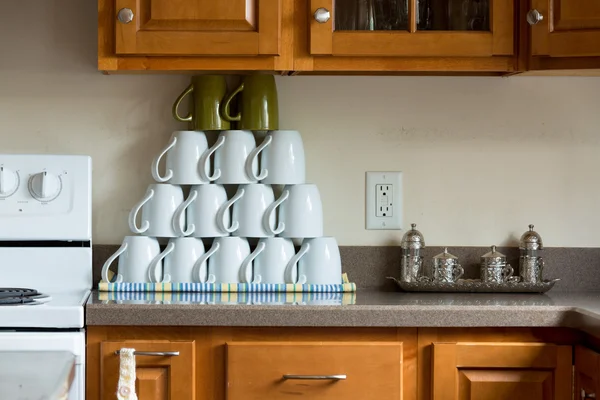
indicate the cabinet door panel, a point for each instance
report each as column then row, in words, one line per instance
column 158, row 377
column 199, row 27
column 380, row 28
column 499, row 371
column 570, row 28
column 587, row 373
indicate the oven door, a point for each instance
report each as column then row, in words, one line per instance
column 73, row 342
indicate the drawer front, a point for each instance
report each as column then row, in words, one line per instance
column 289, row 370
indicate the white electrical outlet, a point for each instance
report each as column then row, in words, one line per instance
column 384, row 200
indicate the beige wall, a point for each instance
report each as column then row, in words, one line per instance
column 482, row 157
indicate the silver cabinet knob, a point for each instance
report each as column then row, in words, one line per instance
column 585, row 396
column 534, row 17
column 125, row 15
column 322, row 15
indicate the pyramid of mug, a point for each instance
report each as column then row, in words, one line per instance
column 254, row 173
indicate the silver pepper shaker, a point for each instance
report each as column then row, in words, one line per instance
column 411, row 264
column 531, row 264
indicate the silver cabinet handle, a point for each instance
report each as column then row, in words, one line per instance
column 153, row 353
column 585, row 395
column 322, row 15
column 125, row 15
column 534, row 17
column 316, row 377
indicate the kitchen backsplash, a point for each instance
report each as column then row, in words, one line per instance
column 368, row 266
column 482, row 157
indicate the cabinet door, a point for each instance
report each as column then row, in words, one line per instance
column 198, row 27
column 158, row 377
column 322, row 370
column 500, row 371
column 587, row 373
column 565, row 28
column 443, row 28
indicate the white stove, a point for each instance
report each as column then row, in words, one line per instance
column 45, row 248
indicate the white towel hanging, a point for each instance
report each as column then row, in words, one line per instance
column 126, row 386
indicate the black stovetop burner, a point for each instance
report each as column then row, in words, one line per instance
column 15, row 296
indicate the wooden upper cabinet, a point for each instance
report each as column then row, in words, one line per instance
column 412, row 28
column 500, row 371
column 198, row 27
column 158, row 377
column 565, row 28
column 587, row 374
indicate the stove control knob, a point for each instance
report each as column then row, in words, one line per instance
column 9, row 182
column 45, row 186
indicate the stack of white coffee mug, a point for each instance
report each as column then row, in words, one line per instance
column 253, row 212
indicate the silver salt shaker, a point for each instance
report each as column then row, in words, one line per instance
column 411, row 264
column 531, row 264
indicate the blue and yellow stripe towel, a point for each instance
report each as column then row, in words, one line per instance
column 344, row 287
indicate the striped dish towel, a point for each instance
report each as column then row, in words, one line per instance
column 344, row 287
column 265, row 298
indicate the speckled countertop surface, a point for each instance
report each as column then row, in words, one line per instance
column 361, row 309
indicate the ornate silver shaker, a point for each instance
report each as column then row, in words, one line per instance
column 411, row 264
column 531, row 265
column 446, row 268
column 494, row 268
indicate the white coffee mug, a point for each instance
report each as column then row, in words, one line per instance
column 183, row 155
column 249, row 205
column 282, row 159
column 225, row 259
column 268, row 262
column 204, row 206
column 136, row 255
column 231, row 152
column 318, row 261
column 300, row 212
column 158, row 209
column 180, row 261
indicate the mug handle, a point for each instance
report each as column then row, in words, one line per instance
column 178, row 214
column 252, row 157
column 225, row 208
column 458, row 272
column 154, row 264
column 288, row 274
column 134, row 212
column 507, row 271
column 187, row 91
column 110, row 260
column 155, row 173
column 246, row 267
column 197, row 270
column 204, row 162
column 225, row 109
column 267, row 216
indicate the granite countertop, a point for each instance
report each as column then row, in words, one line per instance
column 361, row 309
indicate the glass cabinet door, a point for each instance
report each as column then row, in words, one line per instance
column 455, row 28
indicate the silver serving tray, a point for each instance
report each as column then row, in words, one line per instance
column 476, row 286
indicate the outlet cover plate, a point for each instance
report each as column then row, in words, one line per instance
column 373, row 182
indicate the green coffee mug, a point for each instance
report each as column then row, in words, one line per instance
column 259, row 110
column 209, row 91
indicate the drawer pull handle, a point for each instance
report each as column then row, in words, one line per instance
column 153, row 353
column 316, row 377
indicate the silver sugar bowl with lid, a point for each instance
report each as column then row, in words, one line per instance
column 531, row 264
column 411, row 264
column 494, row 268
column 446, row 268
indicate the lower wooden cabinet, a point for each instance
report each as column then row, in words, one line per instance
column 500, row 371
column 326, row 370
column 587, row 373
column 159, row 377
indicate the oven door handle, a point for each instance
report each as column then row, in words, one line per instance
column 153, row 353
